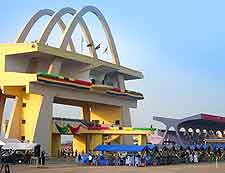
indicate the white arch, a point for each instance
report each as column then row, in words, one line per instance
column 57, row 17
column 74, row 21
column 46, row 12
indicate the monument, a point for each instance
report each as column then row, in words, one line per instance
column 37, row 75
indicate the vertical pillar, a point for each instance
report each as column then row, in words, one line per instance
column 14, row 126
column 36, row 112
column 121, row 82
column 164, row 135
column 142, row 139
column 2, row 105
column 56, row 143
column 125, row 118
column 178, row 136
column 43, row 124
column 99, row 78
column 55, row 66
column 86, row 112
column 79, row 143
column 96, row 139
column 126, row 121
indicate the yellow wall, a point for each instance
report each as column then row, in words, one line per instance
column 26, row 107
column 30, row 114
column 105, row 113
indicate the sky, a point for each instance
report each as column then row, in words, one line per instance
column 178, row 45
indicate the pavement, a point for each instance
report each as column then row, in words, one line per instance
column 70, row 168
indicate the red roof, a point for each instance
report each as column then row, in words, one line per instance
column 213, row 118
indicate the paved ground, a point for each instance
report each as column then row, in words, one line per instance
column 68, row 168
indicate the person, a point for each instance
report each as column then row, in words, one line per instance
column 133, row 160
column 76, row 152
column 28, row 157
column 127, row 162
column 43, row 158
column 79, row 158
column 90, row 158
column 137, row 160
column 191, row 157
column 5, row 160
column 59, row 154
column 195, row 157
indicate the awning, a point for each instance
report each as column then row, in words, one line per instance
column 151, row 146
column 18, row 146
column 121, row 148
column 4, row 141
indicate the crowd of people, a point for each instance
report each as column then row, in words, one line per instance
column 158, row 156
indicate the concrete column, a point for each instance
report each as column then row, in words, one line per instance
column 55, row 66
column 125, row 118
column 14, row 126
column 164, row 135
column 2, row 105
column 121, row 82
column 79, row 143
column 99, row 78
column 178, row 136
column 126, row 121
column 43, row 130
column 86, row 112
column 142, row 139
column 56, row 144
column 96, row 139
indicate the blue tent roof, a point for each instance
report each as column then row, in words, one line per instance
column 121, row 148
column 151, row 146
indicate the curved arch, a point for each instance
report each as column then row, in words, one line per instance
column 74, row 21
column 57, row 17
column 46, row 12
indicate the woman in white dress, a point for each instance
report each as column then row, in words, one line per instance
column 195, row 157
column 191, row 157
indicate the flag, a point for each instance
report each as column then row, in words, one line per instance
column 98, row 47
column 106, row 49
column 90, row 44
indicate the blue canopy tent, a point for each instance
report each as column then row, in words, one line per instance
column 151, row 146
column 205, row 146
column 122, row 148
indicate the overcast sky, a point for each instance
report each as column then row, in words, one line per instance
column 178, row 45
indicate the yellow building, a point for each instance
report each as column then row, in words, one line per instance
column 37, row 75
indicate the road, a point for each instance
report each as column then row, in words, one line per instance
column 69, row 168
